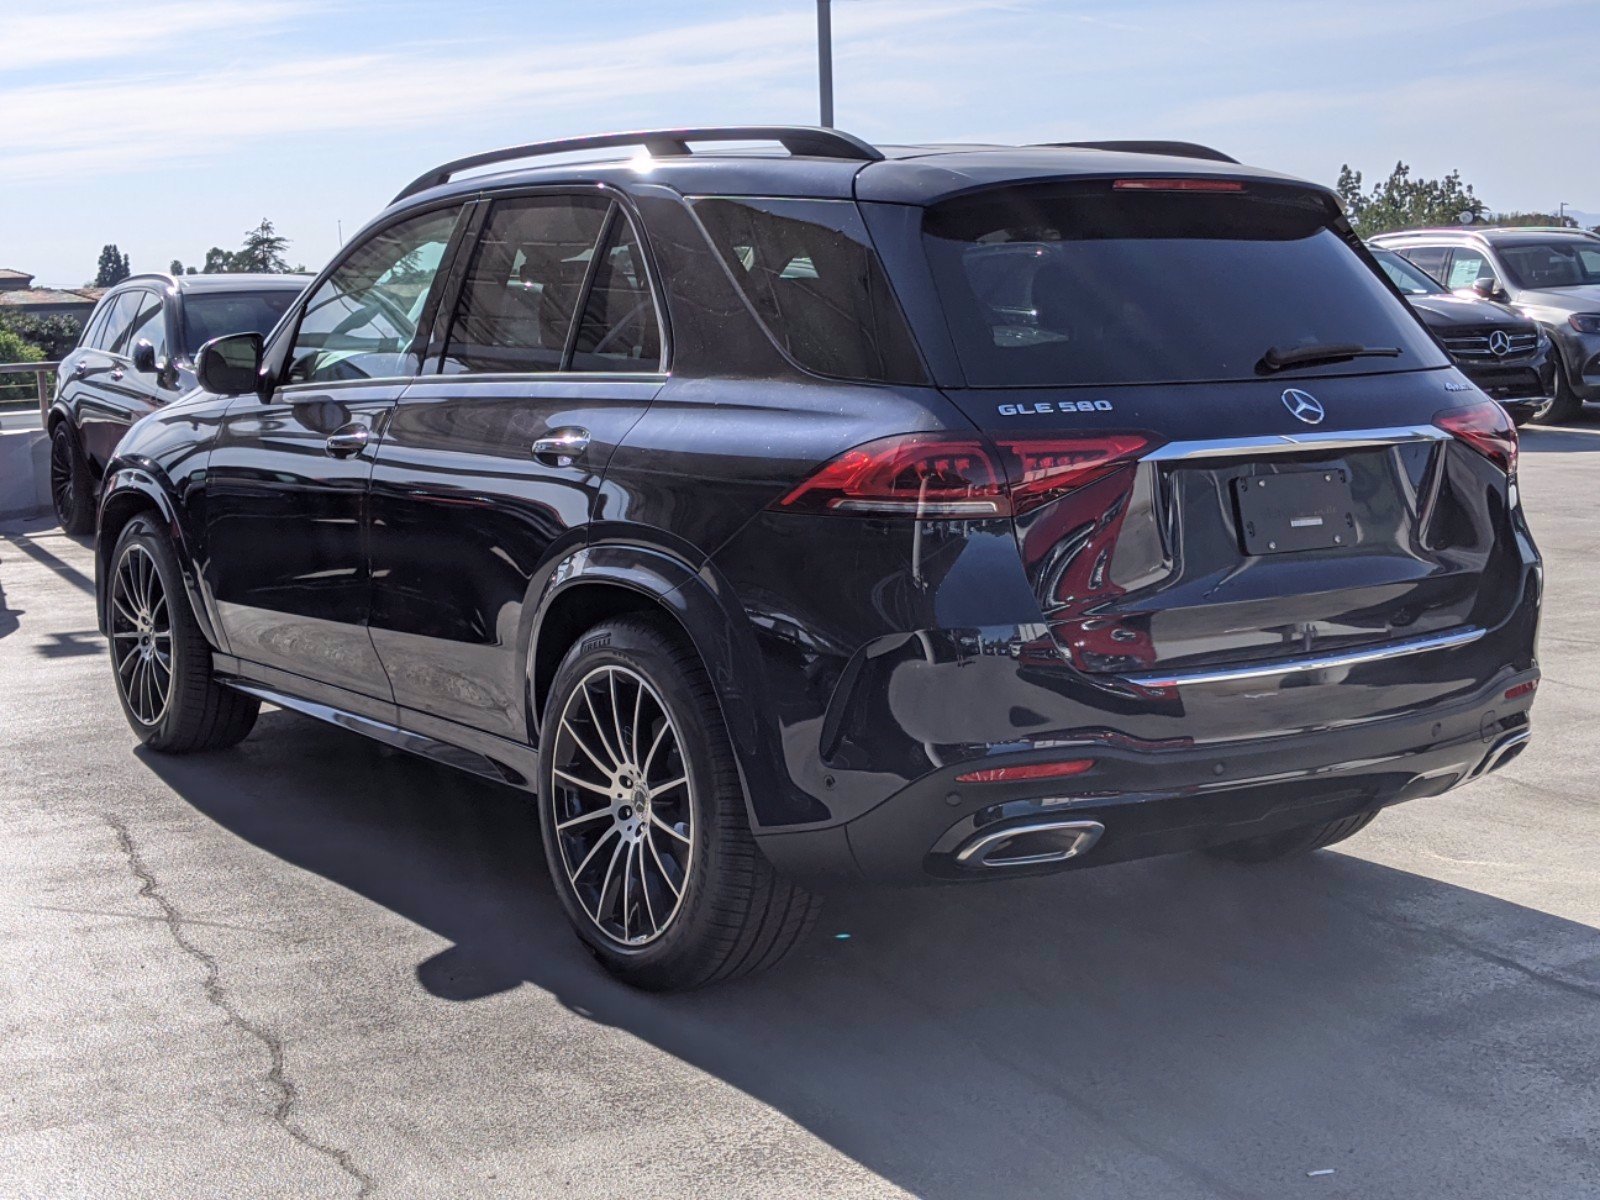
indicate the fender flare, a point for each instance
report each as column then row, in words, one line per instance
column 141, row 486
column 703, row 606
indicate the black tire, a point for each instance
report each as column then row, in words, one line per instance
column 71, row 488
column 160, row 660
column 731, row 914
column 1566, row 406
column 1293, row 842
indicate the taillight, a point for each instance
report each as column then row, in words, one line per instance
column 1486, row 428
column 1025, row 771
column 941, row 476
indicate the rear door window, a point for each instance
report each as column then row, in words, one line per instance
column 523, row 285
column 1430, row 258
column 1088, row 284
column 119, row 321
column 619, row 330
column 149, row 325
column 808, row 269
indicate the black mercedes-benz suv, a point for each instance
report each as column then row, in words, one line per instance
column 136, row 353
column 928, row 513
column 1506, row 354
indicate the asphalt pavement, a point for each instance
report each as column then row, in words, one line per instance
column 312, row 966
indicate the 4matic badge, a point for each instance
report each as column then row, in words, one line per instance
column 1054, row 406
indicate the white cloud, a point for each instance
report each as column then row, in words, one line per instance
column 35, row 34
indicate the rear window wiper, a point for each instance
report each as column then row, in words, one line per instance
column 1277, row 358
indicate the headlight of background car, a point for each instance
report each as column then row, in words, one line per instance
column 1585, row 322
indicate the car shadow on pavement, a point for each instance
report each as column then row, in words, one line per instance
column 1562, row 439
column 1142, row 1029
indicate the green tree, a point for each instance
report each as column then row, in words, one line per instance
column 14, row 350
column 114, row 267
column 262, row 252
column 54, row 336
column 1402, row 202
column 1551, row 220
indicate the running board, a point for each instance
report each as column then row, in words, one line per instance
column 390, row 735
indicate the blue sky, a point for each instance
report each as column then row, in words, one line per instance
column 168, row 126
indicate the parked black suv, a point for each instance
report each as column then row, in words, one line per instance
column 921, row 513
column 1508, row 356
column 1550, row 275
column 137, row 353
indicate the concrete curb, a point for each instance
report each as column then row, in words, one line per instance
column 24, row 473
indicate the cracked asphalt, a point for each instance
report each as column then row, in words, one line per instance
column 312, row 966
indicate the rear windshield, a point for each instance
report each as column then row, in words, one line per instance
column 213, row 316
column 1084, row 284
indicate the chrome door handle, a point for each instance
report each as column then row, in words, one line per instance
column 352, row 439
column 560, row 447
column 82, row 368
column 117, row 374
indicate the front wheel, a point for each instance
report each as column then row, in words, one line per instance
column 1566, row 406
column 161, row 660
column 1292, row 842
column 644, row 821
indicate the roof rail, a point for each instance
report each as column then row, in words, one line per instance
column 1172, row 149
column 665, row 143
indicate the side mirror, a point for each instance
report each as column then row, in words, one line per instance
column 1486, row 286
column 230, row 366
column 144, row 357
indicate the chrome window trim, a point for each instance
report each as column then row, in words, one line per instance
column 1321, row 662
column 1291, row 443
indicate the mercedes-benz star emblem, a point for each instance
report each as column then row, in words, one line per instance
column 1303, row 405
column 1499, row 343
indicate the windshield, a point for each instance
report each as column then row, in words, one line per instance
column 1090, row 284
column 1552, row 264
column 217, row 315
column 1407, row 276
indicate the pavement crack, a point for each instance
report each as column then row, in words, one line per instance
column 217, row 996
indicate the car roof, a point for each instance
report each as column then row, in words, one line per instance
column 910, row 174
column 232, row 281
column 1508, row 235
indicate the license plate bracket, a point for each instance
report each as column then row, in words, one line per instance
column 1295, row 510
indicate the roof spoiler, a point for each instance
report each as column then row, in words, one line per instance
column 808, row 140
column 1171, row 149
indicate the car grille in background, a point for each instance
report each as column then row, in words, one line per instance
column 1477, row 345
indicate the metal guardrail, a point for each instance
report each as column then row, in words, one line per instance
column 43, row 381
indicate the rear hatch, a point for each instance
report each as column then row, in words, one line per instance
column 1229, row 442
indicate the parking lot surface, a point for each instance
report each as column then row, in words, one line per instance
column 313, row 966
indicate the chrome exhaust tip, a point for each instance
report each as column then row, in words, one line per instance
column 1037, row 843
column 1502, row 752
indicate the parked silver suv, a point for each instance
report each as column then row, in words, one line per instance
column 1551, row 275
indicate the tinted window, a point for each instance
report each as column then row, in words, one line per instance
column 119, row 321
column 1408, row 277
column 207, row 316
column 1552, row 264
column 619, row 330
column 1467, row 266
column 523, row 284
column 96, row 323
column 1429, row 258
column 149, row 325
column 1089, row 285
column 362, row 322
column 808, row 269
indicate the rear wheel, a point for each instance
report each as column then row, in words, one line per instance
column 644, row 820
column 1291, row 842
column 161, row 660
column 71, row 489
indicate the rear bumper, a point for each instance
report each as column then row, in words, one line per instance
column 1154, row 800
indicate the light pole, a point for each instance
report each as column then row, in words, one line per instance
column 1561, row 213
column 825, row 60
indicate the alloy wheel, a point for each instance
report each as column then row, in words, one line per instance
column 141, row 635
column 63, row 488
column 623, row 805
